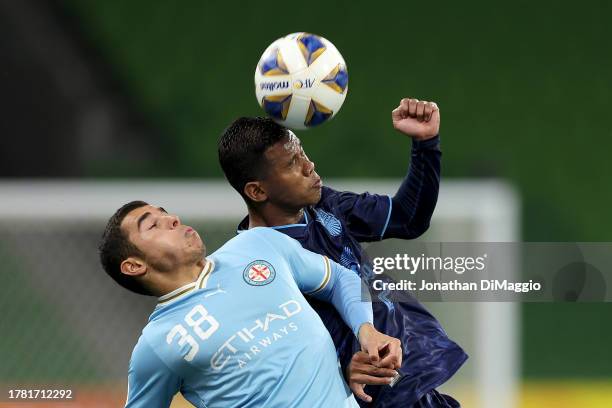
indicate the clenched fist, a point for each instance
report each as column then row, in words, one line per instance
column 417, row 119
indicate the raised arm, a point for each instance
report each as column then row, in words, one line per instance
column 415, row 200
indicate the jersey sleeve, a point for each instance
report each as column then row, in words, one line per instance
column 365, row 215
column 150, row 382
column 316, row 275
column 406, row 215
column 416, row 198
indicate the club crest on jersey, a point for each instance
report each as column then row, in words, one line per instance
column 330, row 222
column 259, row 273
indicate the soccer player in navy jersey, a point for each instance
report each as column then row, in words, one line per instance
column 266, row 164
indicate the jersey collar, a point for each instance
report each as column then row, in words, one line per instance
column 184, row 290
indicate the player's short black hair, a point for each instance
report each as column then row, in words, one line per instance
column 242, row 146
column 115, row 247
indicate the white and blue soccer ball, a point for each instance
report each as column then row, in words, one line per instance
column 301, row 80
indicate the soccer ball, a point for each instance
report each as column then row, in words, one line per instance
column 301, row 80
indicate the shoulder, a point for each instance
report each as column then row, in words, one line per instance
column 152, row 352
column 334, row 200
column 144, row 358
column 142, row 346
column 270, row 235
column 156, row 329
column 277, row 242
column 244, row 237
column 260, row 238
column 328, row 196
column 257, row 233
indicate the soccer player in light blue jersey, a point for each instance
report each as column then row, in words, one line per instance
column 233, row 329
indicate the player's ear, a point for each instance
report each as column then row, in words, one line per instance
column 133, row 266
column 255, row 192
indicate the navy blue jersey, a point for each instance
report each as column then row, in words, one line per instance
column 336, row 225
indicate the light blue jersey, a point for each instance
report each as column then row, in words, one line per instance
column 243, row 335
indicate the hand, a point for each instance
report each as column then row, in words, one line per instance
column 383, row 350
column 361, row 372
column 417, row 119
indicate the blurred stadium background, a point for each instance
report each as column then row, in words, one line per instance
column 109, row 91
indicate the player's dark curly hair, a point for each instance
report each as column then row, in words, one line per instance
column 115, row 247
column 241, row 149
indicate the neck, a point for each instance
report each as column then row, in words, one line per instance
column 167, row 282
column 271, row 216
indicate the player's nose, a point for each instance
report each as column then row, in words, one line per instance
column 173, row 221
column 309, row 167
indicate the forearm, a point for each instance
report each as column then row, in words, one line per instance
column 416, row 198
column 344, row 292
